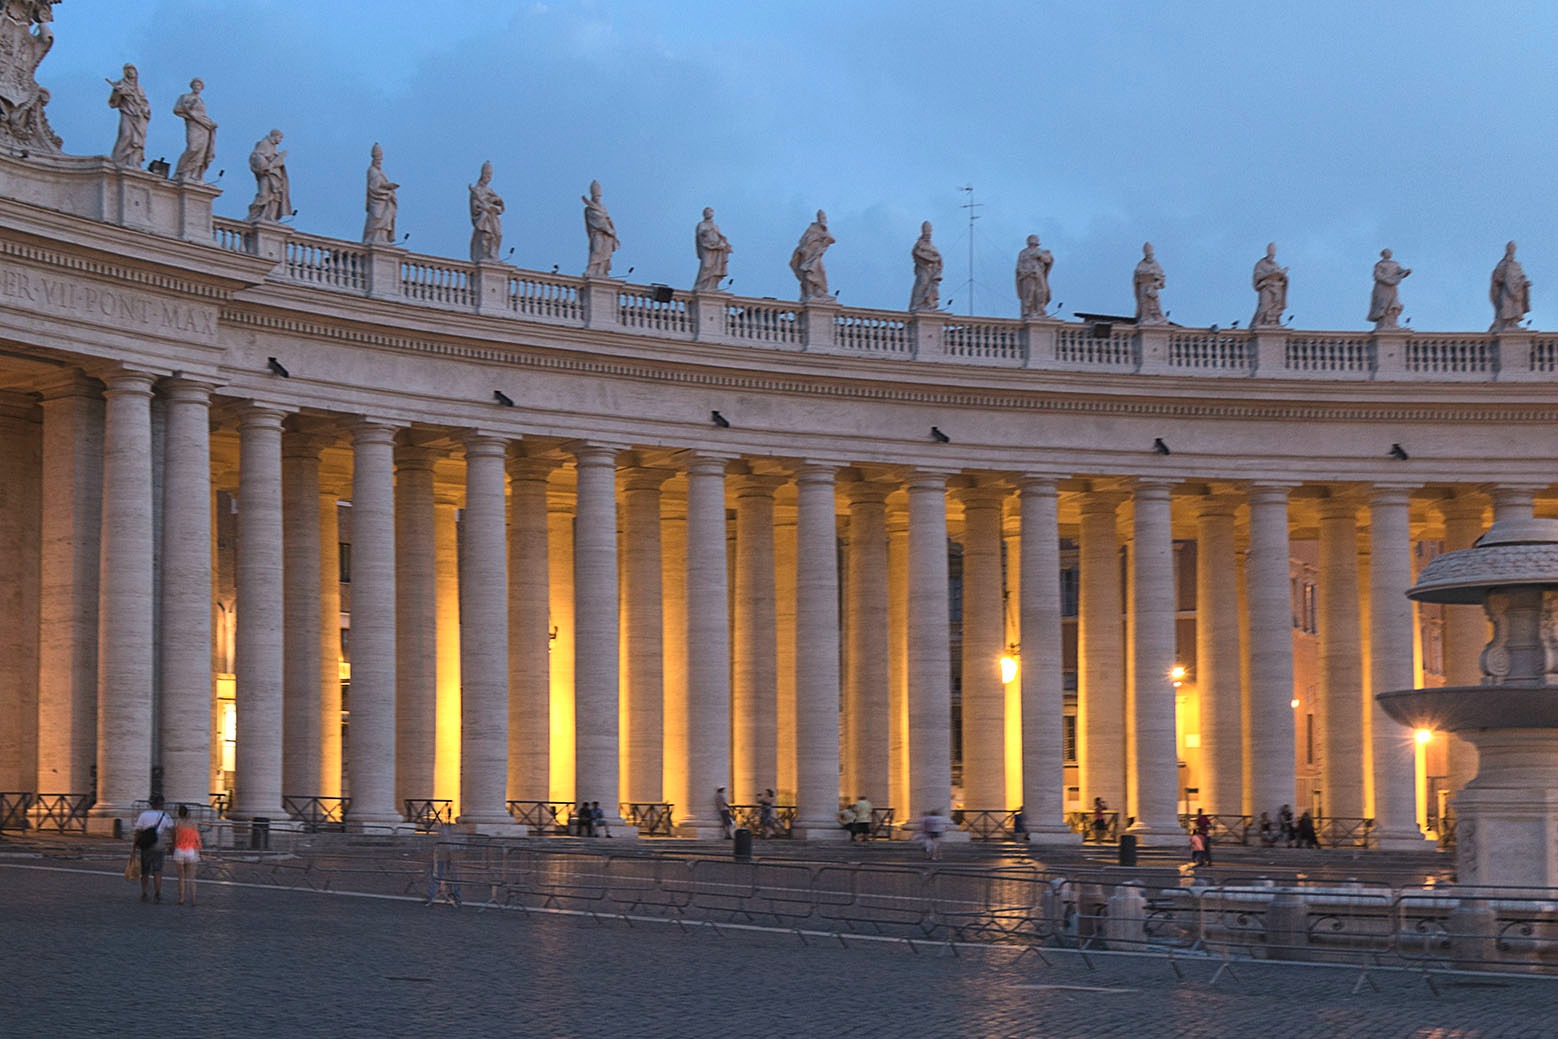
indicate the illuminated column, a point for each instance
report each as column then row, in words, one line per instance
column 785, row 592
column 530, row 691
column 867, row 706
column 185, row 662
column 816, row 655
column 329, row 677
column 20, row 533
column 1268, row 591
column 930, row 677
column 484, row 637
column 984, row 641
column 1341, row 661
column 371, row 755
column 673, row 586
column 559, row 525
column 1465, row 629
column 1155, row 786
column 416, row 622
column 448, row 698
column 597, row 639
column 755, row 675
column 1101, row 660
column 1043, row 690
column 302, row 646
column 1391, row 662
column 72, row 493
column 643, row 662
column 1217, row 659
column 708, row 647
column 898, row 662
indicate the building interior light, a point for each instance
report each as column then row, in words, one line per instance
column 1425, row 735
column 1177, row 673
column 1293, row 703
column 1008, row 669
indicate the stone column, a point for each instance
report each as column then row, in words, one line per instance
column 185, row 705
column 1268, row 592
column 643, row 660
column 1392, row 620
column 755, row 674
column 708, row 647
column 20, row 534
column 261, row 616
column 1465, row 629
column 330, row 750
column 898, row 662
column 785, row 592
column 868, row 630
column 72, row 496
column 1341, row 661
column 530, row 691
column 484, row 638
column 1155, row 786
column 371, row 755
column 560, row 747
column 416, row 621
column 302, row 646
column 447, row 700
column 673, row 587
column 1043, row 691
column 1100, row 655
column 930, row 678
column 597, row 637
column 984, row 641
column 816, row 656
column 1514, row 501
column 1217, row 659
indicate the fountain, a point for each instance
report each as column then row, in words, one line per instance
column 1507, row 817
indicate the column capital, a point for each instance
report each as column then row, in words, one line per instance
column 1102, row 503
column 1506, row 494
column 1213, row 505
column 1031, row 486
column 415, row 457
column 985, row 495
column 1340, row 506
column 297, row 446
column 868, row 492
column 587, row 453
column 758, row 485
column 1465, row 505
column 928, row 479
column 1391, row 494
column 643, row 478
column 253, row 415
column 483, row 444
column 1028, row 478
column 183, row 390
column 1148, row 488
column 815, row 473
column 523, row 467
column 68, row 382
column 127, row 381
column 366, row 430
column 701, row 464
column 1268, row 493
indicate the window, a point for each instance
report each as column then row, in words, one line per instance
column 1069, row 737
column 346, row 562
column 1070, row 589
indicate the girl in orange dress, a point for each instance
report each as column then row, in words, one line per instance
column 186, row 853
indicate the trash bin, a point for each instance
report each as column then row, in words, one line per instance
column 741, row 847
column 259, row 834
column 1127, row 849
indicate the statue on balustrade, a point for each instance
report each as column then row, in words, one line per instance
column 486, row 217
column 713, row 254
column 602, row 232
column 806, row 261
column 273, row 188
column 25, row 38
column 134, row 113
column 382, row 204
column 1271, row 289
column 1385, row 304
column 1510, row 292
column 1148, row 283
column 926, row 293
column 1033, row 267
column 199, row 134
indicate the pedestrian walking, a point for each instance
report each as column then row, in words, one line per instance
column 148, row 829
column 186, row 854
column 765, row 813
column 727, row 818
column 1307, row 837
column 932, row 825
column 864, row 816
column 1285, row 825
column 847, row 819
column 1100, row 820
column 1203, row 826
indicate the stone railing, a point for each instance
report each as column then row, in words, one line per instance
column 1102, row 346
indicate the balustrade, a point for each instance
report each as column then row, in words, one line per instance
column 231, row 235
column 430, row 282
column 763, row 323
column 644, row 309
column 1455, row 355
column 1327, row 353
column 983, row 340
column 554, row 298
column 866, row 331
column 325, row 262
column 1087, row 344
column 1544, row 354
column 1210, row 351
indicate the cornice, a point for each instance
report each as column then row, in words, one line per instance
column 100, row 268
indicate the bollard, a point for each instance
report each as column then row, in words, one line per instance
column 741, row 846
column 1127, row 849
column 259, row 834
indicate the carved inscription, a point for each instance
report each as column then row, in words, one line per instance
column 106, row 306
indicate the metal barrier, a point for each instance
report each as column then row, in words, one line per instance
column 1082, row 822
column 1344, row 832
column 14, row 808
column 750, row 817
column 881, row 823
column 428, row 814
column 317, row 813
column 1226, row 829
column 221, row 802
column 986, row 825
column 653, row 819
column 65, row 813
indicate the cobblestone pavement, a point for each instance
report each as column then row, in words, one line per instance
column 81, row 956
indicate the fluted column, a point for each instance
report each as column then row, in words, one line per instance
column 301, row 642
column 816, row 655
column 643, row 660
column 1268, row 592
column 372, row 751
column 1043, row 690
column 529, row 631
column 867, row 692
column 1465, row 630
column 1341, row 661
column 329, row 677
column 416, row 621
column 930, row 678
column 1391, row 664
column 447, row 732
column 755, row 674
column 984, row 641
column 185, row 704
column 596, row 666
column 1218, row 658
column 1155, row 786
column 1100, row 653
column 484, row 637
column 708, row 647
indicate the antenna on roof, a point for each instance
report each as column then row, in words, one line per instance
column 971, row 206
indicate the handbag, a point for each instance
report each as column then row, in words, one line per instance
column 132, row 869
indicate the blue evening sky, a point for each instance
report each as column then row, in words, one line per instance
column 1210, row 128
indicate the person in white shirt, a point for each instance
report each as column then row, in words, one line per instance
column 150, row 837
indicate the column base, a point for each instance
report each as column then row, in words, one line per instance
column 489, row 826
column 1160, row 836
column 1402, row 840
column 819, row 833
column 700, row 831
column 1057, row 836
column 377, row 823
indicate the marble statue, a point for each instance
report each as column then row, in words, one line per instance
column 602, row 233
column 806, row 261
column 25, row 39
column 382, row 204
column 1148, row 283
column 1033, row 267
column 713, row 254
column 1509, row 292
column 1271, row 289
column 199, row 134
column 1385, row 304
column 134, row 113
column 273, row 188
column 486, row 217
column 926, row 293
